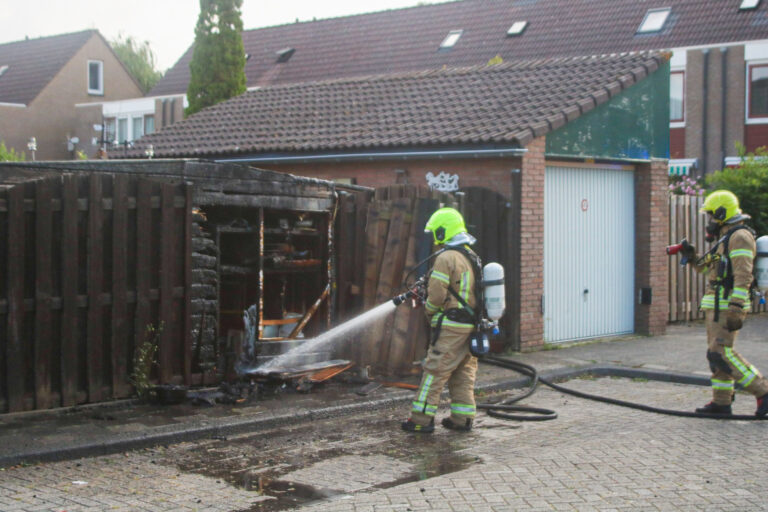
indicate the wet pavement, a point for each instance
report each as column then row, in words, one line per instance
column 332, row 450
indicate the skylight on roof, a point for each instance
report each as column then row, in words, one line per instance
column 749, row 4
column 3, row 69
column 451, row 39
column 517, row 28
column 285, row 54
column 654, row 20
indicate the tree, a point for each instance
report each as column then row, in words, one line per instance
column 9, row 154
column 139, row 60
column 217, row 69
column 749, row 182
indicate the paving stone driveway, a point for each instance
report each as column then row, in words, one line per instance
column 593, row 457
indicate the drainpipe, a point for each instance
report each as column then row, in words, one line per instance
column 723, row 101
column 705, row 90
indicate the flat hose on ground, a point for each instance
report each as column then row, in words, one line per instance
column 546, row 414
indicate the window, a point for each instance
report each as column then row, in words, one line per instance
column 110, row 130
column 137, row 127
column 517, row 28
column 758, row 91
column 749, row 4
column 654, row 20
column 451, row 39
column 677, row 97
column 149, row 124
column 95, row 77
column 122, row 130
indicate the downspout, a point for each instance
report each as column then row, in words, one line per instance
column 723, row 101
column 705, row 90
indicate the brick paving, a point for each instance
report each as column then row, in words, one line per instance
column 593, row 457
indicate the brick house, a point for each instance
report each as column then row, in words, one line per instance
column 42, row 80
column 720, row 52
column 568, row 146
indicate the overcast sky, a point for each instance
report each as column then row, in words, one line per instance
column 169, row 25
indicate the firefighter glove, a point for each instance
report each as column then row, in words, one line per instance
column 689, row 250
column 733, row 319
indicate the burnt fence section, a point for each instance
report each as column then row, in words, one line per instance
column 91, row 260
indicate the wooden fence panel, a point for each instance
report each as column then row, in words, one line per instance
column 119, row 345
column 686, row 286
column 69, row 278
column 71, row 309
column 95, row 330
column 15, row 364
column 43, row 293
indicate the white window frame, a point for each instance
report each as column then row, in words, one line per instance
column 517, row 28
column 100, row 90
column 679, row 124
column 451, row 39
column 747, row 5
column 747, row 91
column 648, row 14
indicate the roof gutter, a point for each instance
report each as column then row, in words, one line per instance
column 19, row 105
column 399, row 155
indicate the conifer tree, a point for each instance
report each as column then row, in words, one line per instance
column 217, row 68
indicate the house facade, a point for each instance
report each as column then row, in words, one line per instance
column 546, row 154
column 719, row 80
column 41, row 82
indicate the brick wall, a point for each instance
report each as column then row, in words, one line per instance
column 532, row 246
column 493, row 173
column 651, row 235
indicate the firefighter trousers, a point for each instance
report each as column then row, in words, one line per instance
column 448, row 361
column 728, row 366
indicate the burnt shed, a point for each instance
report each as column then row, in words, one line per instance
column 206, row 258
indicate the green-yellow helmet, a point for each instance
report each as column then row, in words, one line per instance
column 444, row 224
column 722, row 204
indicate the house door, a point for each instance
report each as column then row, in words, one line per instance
column 589, row 248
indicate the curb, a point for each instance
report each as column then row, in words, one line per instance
column 230, row 426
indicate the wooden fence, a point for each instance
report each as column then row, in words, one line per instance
column 90, row 261
column 686, row 286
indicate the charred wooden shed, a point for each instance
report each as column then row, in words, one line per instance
column 100, row 255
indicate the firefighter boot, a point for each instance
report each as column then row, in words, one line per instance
column 713, row 408
column 762, row 406
column 466, row 427
column 410, row 426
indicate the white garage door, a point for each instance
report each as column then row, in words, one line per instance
column 589, row 252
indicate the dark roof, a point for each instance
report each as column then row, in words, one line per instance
column 33, row 63
column 402, row 40
column 506, row 104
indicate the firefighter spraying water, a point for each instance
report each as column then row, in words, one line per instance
column 464, row 302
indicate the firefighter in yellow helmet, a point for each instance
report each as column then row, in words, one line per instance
column 450, row 306
column 728, row 269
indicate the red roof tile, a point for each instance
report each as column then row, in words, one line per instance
column 504, row 104
column 403, row 40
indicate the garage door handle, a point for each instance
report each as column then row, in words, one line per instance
column 586, row 291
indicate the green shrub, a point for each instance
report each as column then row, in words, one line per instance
column 9, row 155
column 749, row 182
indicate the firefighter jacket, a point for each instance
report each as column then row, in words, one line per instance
column 452, row 268
column 741, row 252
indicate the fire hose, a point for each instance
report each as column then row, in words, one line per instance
column 536, row 414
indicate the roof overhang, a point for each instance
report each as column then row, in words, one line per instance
column 378, row 155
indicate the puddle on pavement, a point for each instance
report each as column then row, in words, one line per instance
column 258, row 462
